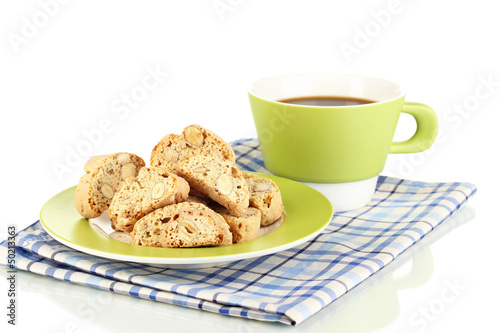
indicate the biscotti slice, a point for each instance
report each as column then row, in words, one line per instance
column 265, row 196
column 193, row 140
column 169, row 151
column 243, row 228
column 218, row 179
column 185, row 224
column 104, row 176
column 153, row 188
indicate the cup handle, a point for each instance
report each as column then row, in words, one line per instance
column 426, row 133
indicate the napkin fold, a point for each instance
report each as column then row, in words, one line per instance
column 286, row 287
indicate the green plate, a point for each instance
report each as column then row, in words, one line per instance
column 307, row 213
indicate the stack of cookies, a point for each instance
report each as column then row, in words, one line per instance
column 192, row 195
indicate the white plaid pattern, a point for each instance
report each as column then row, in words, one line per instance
column 287, row 286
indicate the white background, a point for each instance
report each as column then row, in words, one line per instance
column 67, row 68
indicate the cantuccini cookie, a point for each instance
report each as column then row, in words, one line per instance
column 103, row 178
column 184, row 224
column 218, row 179
column 153, row 188
column 193, row 140
column 243, row 228
column 265, row 196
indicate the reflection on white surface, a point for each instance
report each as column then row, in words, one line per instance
column 370, row 306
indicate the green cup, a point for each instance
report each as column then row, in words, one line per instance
column 345, row 146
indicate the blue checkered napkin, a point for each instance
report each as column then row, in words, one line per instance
column 286, row 287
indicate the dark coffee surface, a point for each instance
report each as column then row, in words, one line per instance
column 326, row 101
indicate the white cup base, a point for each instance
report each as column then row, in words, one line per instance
column 347, row 196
